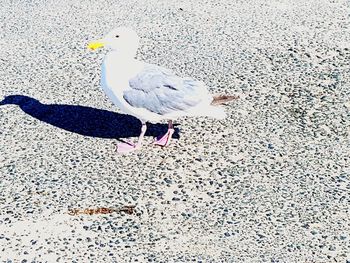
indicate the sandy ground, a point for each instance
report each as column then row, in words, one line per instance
column 268, row 184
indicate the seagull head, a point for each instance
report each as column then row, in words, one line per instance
column 124, row 40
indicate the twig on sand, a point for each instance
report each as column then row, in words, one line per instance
column 128, row 209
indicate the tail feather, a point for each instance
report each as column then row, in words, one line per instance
column 221, row 99
column 214, row 109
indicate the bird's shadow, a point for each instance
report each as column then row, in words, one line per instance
column 86, row 121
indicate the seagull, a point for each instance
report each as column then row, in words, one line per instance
column 150, row 92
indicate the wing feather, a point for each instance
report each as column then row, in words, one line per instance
column 161, row 91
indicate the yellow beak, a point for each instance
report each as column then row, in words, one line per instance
column 95, row 45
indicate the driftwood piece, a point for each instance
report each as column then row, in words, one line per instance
column 128, row 209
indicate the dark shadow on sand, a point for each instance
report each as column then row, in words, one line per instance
column 86, row 120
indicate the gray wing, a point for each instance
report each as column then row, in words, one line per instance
column 160, row 91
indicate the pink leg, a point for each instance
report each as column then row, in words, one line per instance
column 129, row 146
column 165, row 140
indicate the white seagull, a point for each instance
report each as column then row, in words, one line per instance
column 150, row 92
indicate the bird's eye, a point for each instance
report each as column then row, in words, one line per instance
column 117, row 36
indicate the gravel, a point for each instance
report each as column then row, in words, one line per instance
column 271, row 183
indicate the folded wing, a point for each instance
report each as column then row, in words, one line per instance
column 160, row 91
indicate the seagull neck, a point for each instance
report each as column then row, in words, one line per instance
column 124, row 56
column 122, row 65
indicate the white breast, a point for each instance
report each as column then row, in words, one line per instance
column 115, row 77
column 112, row 90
